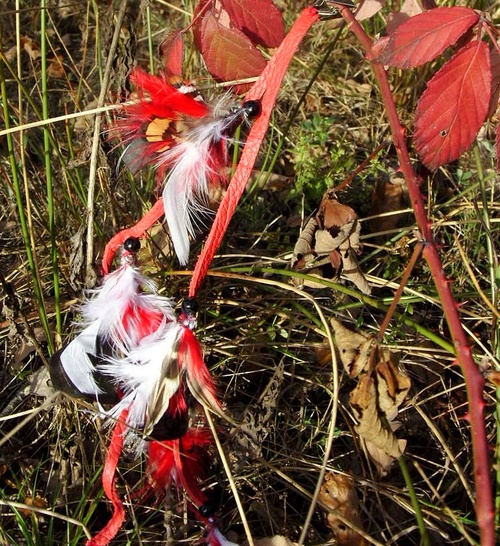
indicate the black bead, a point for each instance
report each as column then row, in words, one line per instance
column 207, row 510
column 190, row 306
column 132, row 244
column 252, row 108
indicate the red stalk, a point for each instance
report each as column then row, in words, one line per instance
column 473, row 379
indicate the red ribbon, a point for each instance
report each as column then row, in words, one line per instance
column 109, row 484
column 265, row 89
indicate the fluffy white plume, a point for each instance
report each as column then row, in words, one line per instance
column 123, row 305
column 199, row 157
column 148, row 376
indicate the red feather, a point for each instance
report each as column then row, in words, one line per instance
column 182, row 462
column 173, row 131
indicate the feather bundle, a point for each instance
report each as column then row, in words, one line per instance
column 173, row 131
column 116, row 316
column 162, row 365
column 184, row 464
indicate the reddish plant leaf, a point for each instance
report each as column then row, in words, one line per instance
column 172, row 52
column 228, row 53
column 423, row 37
column 454, row 106
column 260, row 20
column 495, row 84
column 200, row 11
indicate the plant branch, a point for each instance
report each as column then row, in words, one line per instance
column 473, row 379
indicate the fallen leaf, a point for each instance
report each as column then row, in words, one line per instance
column 454, row 106
column 410, row 8
column 388, row 196
column 383, row 447
column 329, row 243
column 392, row 384
column 31, row 48
column 368, row 9
column 55, row 68
column 338, row 496
column 376, row 399
column 37, row 502
column 354, row 349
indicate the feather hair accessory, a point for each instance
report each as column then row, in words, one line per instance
column 186, row 140
column 116, row 316
column 184, row 464
column 167, row 363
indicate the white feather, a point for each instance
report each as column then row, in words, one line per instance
column 185, row 195
column 124, row 288
column 76, row 362
column 148, row 377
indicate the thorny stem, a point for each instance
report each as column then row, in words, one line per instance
column 473, row 379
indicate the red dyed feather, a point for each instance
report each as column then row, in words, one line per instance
column 186, row 141
column 182, row 462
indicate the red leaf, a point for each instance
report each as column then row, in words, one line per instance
column 200, row 11
column 495, row 84
column 260, row 20
column 228, row 53
column 454, row 106
column 172, row 52
column 423, row 37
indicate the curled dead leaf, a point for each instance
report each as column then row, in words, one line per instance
column 328, row 244
column 379, row 439
column 338, row 496
column 354, row 349
column 375, row 401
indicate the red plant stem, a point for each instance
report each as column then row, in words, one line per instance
column 474, row 381
column 399, row 292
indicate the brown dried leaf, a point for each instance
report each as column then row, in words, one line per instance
column 381, row 389
column 389, row 194
column 354, row 349
column 333, row 215
column 392, row 384
column 339, row 497
column 55, row 69
column 31, row 48
column 351, row 270
column 408, row 9
column 303, row 252
column 380, row 441
column 327, row 245
column 369, row 8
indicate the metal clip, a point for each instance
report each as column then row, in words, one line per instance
column 327, row 8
